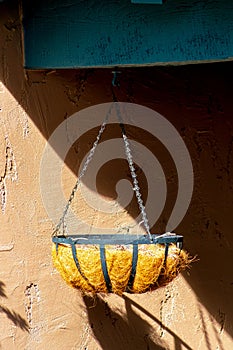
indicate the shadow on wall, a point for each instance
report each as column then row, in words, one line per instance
column 2, row 290
column 116, row 333
column 131, row 332
column 178, row 342
column 113, row 331
column 197, row 100
column 13, row 316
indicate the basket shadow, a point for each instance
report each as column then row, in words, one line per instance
column 114, row 332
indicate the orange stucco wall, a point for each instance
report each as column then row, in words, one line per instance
column 37, row 309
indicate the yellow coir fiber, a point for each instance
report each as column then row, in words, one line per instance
column 89, row 260
column 119, row 264
column 177, row 260
column 150, row 262
column 151, row 271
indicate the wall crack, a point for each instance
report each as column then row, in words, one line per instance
column 9, row 172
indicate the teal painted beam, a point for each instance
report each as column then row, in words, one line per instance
column 95, row 33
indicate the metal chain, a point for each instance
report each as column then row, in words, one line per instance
column 136, row 187
column 129, row 157
column 82, row 173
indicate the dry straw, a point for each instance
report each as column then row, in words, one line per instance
column 152, row 272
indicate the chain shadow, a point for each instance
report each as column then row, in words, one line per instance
column 2, row 290
column 114, row 332
column 13, row 316
column 16, row 318
column 178, row 342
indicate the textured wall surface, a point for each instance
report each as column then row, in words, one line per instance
column 37, row 309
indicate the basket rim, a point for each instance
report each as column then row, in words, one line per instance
column 119, row 239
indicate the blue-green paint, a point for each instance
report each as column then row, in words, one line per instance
column 93, row 33
column 147, row 1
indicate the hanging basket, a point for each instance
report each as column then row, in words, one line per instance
column 119, row 263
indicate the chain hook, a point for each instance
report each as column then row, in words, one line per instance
column 115, row 79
